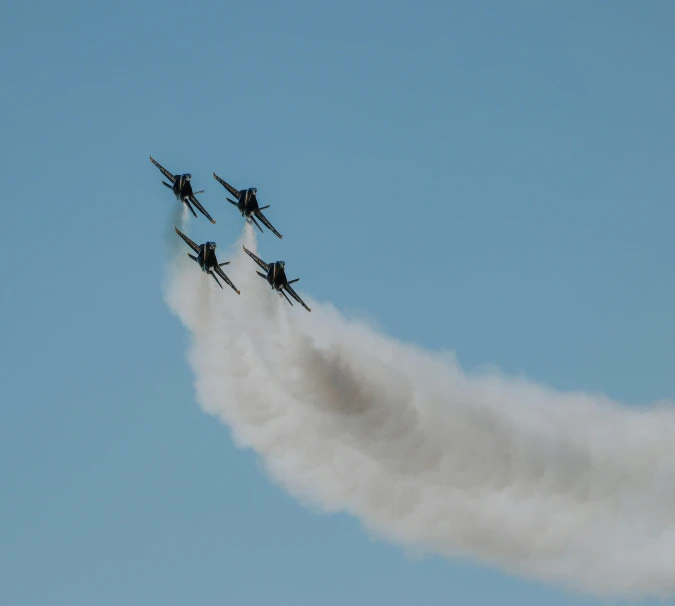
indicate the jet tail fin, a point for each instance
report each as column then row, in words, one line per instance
column 287, row 299
column 255, row 223
column 192, row 210
column 216, row 279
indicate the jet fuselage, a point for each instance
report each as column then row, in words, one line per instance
column 207, row 256
column 182, row 187
column 248, row 202
column 276, row 276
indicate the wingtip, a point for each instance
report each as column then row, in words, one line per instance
column 213, row 221
column 238, row 292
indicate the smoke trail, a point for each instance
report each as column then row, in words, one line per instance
column 565, row 487
column 177, row 217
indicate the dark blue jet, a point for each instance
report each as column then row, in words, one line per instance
column 182, row 189
column 247, row 203
column 276, row 277
column 206, row 257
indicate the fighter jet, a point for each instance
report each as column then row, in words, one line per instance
column 182, row 189
column 247, row 203
column 276, row 277
column 206, row 257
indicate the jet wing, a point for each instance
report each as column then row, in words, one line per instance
column 295, row 296
column 259, row 261
column 200, row 208
column 189, row 242
column 267, row 224
column 165, row 172
column 221, row 273
column 227, row 186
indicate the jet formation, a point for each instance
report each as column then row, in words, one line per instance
column 205, row 254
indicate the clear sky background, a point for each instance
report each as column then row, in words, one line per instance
column 492, row 178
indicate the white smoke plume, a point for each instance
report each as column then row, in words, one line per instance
column 564, row 487
column 178, row 217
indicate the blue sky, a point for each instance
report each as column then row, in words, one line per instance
column 495, row 180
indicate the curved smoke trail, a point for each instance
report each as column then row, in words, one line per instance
column 568, row 487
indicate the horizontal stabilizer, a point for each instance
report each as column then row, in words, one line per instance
column 224, row 263
column 264, row 207
column 165, row 183
column 232, row 202
column 261, row 275
column 291, row 281
column 193, row 257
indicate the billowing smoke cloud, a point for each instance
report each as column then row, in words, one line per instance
column 571, row 488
